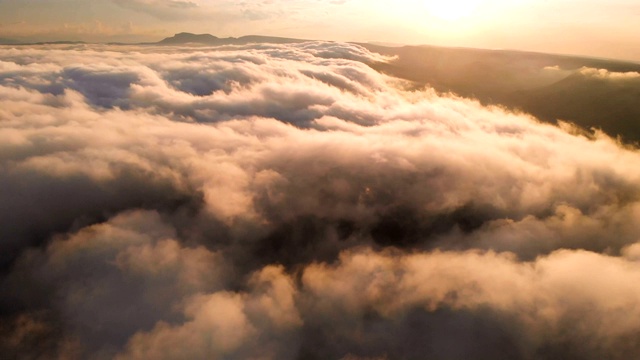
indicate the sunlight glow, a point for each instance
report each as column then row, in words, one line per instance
column 452, row 10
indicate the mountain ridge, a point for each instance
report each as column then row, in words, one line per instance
column 185, row 38
column 6, row 41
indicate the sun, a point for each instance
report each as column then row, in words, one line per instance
column 452, row 10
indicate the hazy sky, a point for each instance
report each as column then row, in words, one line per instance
column 600, row 28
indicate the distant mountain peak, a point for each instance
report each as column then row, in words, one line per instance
column 185, row 37
column 4, row 41
column 208, row 39
column 188, row 35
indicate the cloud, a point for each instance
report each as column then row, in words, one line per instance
column 110, row 279
column 565, row 301
column 588, row 72
column 222, row 324
column 605, row 74
column 288, row 201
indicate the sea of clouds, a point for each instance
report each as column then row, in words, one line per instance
column 290, row 202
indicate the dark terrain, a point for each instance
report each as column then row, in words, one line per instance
column 551, row 87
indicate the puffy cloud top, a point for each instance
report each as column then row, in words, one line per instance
column 290, row 202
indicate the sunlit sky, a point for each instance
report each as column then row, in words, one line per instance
column 608, row 29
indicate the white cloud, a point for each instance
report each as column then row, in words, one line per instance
column 605, row 74
column 148, row 189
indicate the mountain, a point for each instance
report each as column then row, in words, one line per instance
column 4, row 41
column 591, row 93
column 207, row 39
column 591, row 102
column 188, row 38
column 59, row 42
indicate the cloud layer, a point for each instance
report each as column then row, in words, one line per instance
column 290, row 202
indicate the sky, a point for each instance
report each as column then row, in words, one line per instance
column 606, row 29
